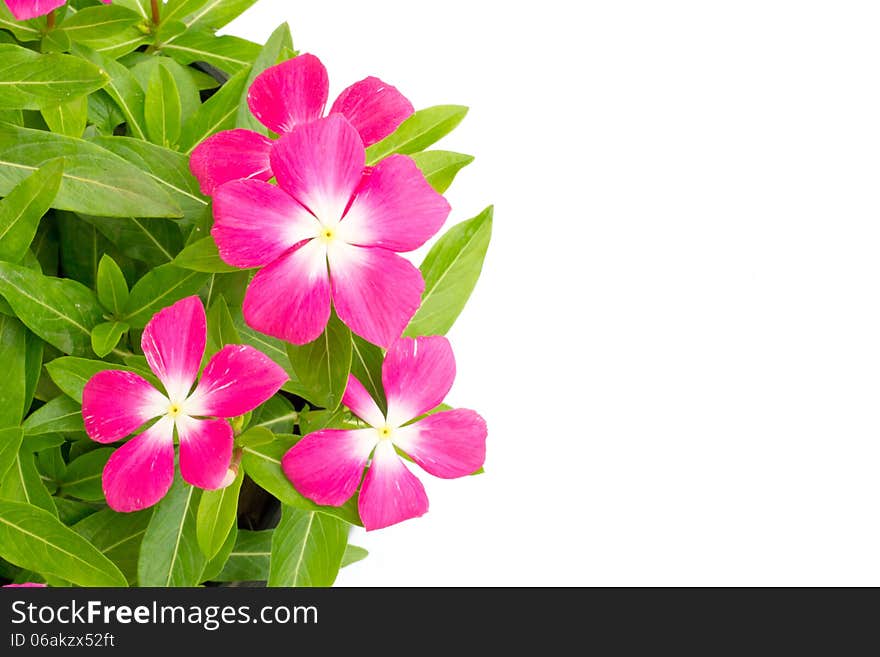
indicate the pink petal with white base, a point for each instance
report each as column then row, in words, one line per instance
column 205, row 451
column 290, row 299
column 140, row 472
column 231, row 155
column 174, row 343
column 237, row 379
column 327, row 466
column 26, row 9
column 391, row 493
column 256, row 223
column 417, row 374
column 361, row 403
column 116, row 403
column 448, row 444
column 374, row 108
column 289, row 94
column 395, row 208
column 375, row 292
column 320, row 164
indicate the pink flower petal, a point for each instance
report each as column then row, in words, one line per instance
column 205, row 451
column 256, row 223
column 174, row 343
column 26, row 9
column 231, row 155
column 417, row 374
column 140, row 472
column 289, row 94
column 320, row 164
column 327, row 466
column 116, row 403
column 290, row 299
column 374, row 108
column 375, row 292
column 361, row 403
column 448, row 444
column 391, row 493
column 395, row 208
column 25, row 585
column 237, row 379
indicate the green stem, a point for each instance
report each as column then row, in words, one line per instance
column 154, row 5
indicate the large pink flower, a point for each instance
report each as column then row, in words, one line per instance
column 26, row 9
column 283, row 97
column 236, row 380
column 327, row 466
column 330, row 229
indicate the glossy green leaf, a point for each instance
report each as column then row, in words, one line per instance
column 10, row 442
column 106, row 336
column 34, row 81
column 215, row 566
column 110, row 29
column 62, row 312
column 152, row 241
column 71, row 374
column 276, row 415
column 170, row 554
column 217, row 13
column 123, row 88
column 271, row 54
column 13, row 388
column 34, row 539
column 61, row 415
column 307, row 549
column 228, row 53
column 159, row 289
column 217, row 114
column 22, row 30
column 111, row 285
column 83, row 476
column 353, row 554
column 23, row 483
column 218, row 510
column 221, row 330
column 162, row 108
column 82, row 247
column 117, row 536
column 254, row 437
column 419, row 131
column 451, row 270
column 71, row 512
column 441, row 167
column 366, row 365
column 249, row 559
column 24, row 206
column 203, row 256
column 322, row 367
column 262, row 463
column 68, row 118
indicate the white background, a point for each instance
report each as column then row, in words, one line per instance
column 676, row 339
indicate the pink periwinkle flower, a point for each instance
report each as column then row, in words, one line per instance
column 287, row 95
column 327, row 466
column 26, row 9
column 236, row 380
column 329, row 231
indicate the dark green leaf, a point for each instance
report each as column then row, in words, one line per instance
column 322, row 366
column 159, row 289
column 441, row 167
column 418, row 132
column 215, row 566
column 61, row 415
column 217, row 513
column 82, row 247
column 71, row 512
column 83, row 476
column 162, row 108
column 203, row 256
column 117, row 536
column 276, row 415
column 24, row 206
column 153, row 241
column 249, row 559
column 106, row 336
column 112, row 288
column 307, row 549
column 366, row 365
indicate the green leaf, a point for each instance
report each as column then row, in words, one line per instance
column 276, row 415
column 170, row 554
column 366, row 365
column 185, row 79
column 22, row 30
column 82, row 247
column 29, row 80
column 117, row 536
column 10, row 442
column 83, row 476
column 221, row 330
column 218, row 510
column 217, row 13
column 62, row 312
column 106, row 336
column 153, row 241
column 307, row 549
column 68, row 118
column 353, row 554
column 24, row 206
column 228, row 53
column 123, row 88
column 61, row 415
column 112, row 288
column 34, row 539
column 441, row 167
column 262, row 463
column 249, row 559
column 13, row 341
column 418, row 132
column 95, row 181
column 23, row 483
column 215, row 566
column 217, row 114
column 33, row 351
column 162, row 108
column 270, row 55
column 254, row 437
column 322, row 366
column 159, row 289
column 71, row 512
column 109, row 29
column 71, row 374
column 203, row 256
column 451, row 270
column 177, row 10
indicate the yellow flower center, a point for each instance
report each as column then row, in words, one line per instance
column 327, row 235
column 385, row 433
column 174, row 410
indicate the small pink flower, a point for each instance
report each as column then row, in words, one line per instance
column 327, row 466
column 329, row 230
column 287, row 95
column 26, row 585
column 236, row 380
column 26, row 9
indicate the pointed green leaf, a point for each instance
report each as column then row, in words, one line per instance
column 322, row 366
column 217, row 114
column 418, row 132
column 215, row 566
column 218, row 510
column 249, row 559
column 123, row 88
column 228, row 53
column 353, row 554
column 217, row 13
column 106, row 336
column 203, row 256
column 110, row 29
column 366, row 365
column 24, row 206
column 162, row 108
column 117, row 536
column 10, row 442
column 441, row 167
column 71, row 374
column 68, row 118
column 159, row 289
column 13, row 341
column 153, row 241
column 276, row 415
column 83, row 476
column 307, row 549
column 23, row 483
column 221, row 330
column 29, row 80
column 61, row 415
column 112, row 288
